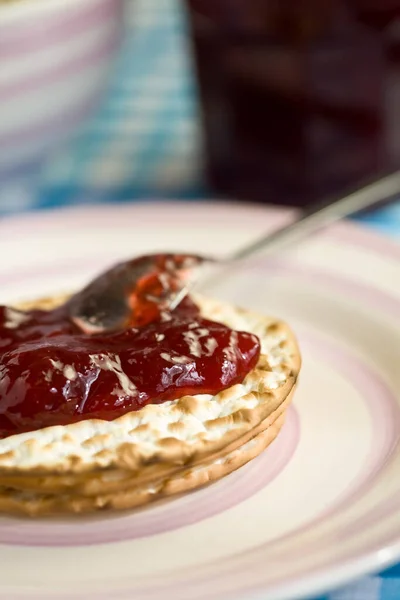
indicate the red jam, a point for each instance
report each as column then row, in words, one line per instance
column 53, row 374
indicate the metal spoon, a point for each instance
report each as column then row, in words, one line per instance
column 310, row 221
column 134, row 292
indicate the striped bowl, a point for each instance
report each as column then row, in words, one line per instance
column 55, row 58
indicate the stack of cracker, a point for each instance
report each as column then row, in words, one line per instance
column 162, row 449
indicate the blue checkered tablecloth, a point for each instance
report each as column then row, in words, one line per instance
column 145, row 142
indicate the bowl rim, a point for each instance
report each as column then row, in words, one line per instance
column 17, row 9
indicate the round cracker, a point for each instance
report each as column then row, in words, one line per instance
column 113, row 481
column 189, row 479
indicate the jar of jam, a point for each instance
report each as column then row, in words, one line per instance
column 300, row 99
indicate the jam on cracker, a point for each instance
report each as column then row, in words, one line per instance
column 113, row 348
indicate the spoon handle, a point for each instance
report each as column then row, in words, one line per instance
column 319, row 217
column 310, row 221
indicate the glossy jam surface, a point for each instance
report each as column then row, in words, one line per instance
column 51, row 373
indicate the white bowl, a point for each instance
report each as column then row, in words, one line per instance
column 55, row 58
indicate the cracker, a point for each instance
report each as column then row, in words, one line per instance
column 191, row 478
column 150, row 436
column 114, row 480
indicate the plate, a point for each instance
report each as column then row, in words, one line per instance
column 320, row 506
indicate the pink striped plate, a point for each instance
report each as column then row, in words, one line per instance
column 320, row 506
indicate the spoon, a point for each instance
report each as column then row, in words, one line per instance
column 136, row 292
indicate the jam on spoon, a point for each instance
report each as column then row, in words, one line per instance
column 132, row 293
column 54, row 372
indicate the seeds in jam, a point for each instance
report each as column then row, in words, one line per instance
column 52, row 373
